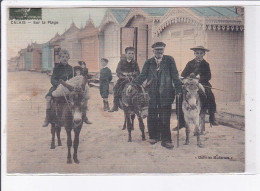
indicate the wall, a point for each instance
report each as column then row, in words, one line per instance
column 226, row 62
column 112, row 45
column 90, row 52
column 179, row 38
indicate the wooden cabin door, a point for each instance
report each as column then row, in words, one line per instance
column 128, row 37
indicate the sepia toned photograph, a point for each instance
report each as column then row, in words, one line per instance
column 125, row 90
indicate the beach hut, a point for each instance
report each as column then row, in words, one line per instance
column 220, row 29
column 109, row 35
column 69, row 41
column 136, row 31
column 47, row 57
column 88, row 37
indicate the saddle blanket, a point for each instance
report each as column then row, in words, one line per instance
column 75, row 82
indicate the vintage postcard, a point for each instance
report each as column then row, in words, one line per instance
column 125, row 89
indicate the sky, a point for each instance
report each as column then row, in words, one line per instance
column 20, row 35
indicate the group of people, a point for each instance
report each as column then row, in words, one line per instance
column 64, row 71
column 165, row 84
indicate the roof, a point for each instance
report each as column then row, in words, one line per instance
column 156, row 11
column 215, row 11
column 120, row 14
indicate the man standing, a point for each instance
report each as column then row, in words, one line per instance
column 161, row 69
column 127, row 69
column 62, row 71
column 105, row 79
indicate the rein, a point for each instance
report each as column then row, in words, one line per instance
column 67, row 101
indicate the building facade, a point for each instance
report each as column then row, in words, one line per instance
column 109, row 36
column 219, row 29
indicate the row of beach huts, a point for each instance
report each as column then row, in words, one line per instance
column 220, row 29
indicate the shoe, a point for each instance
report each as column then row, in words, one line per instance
column 105, row 106
column 212, row 120
column 87, row 121
column 47, row 118
column 176, row 128
column 115, row 108
column 152, row 141
column 167, row 144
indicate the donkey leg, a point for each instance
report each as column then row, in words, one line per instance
column 197, row 132
column 129, row 127
column 141, row 126
column 69, row 144
column 132, row 120
column 124, row 127
column 76, row 144
column 58, row 129
column 187, row 130
column 202, row 123
column 53, row 136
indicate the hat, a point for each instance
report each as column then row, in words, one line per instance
column 81, row 63
column 75, row 68
column 158, row 45
column 129, row 48
column 200, row 48
column 104, row 59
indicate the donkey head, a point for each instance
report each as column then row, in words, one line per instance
column 77, row 102
column 190, row 91
column 139, row 98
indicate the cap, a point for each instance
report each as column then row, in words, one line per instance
column 158, row 45
column 200, row 48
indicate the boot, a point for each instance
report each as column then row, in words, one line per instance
column 86, row 120
column 105, row 105
column 176, row 128
column 47, row 118
column 115, row 107
column 167, row 144
column 212, row 119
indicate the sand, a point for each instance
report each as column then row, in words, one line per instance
column 103, row 145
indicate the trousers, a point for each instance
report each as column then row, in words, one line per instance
column 158, row 122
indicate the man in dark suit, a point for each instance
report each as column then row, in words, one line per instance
column 195, row 67
column 161, row 73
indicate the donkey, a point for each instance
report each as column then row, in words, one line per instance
column 134, row 101
column 192, row 107
column 68, row 112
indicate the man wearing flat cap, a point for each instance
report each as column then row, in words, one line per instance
column 199, row 66
column 161, row 72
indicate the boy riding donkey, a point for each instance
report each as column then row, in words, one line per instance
column 62, row 71
column 195, row 67
column 127, row 70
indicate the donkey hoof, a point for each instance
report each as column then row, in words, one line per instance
column 143, row 139
column 129, row 140
column 76, row 160
column 124, row 128
column 52, row 146
column 69, row 161
column 196, row 133
column 59, row 144
column 186, row 143
column 200, row 145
